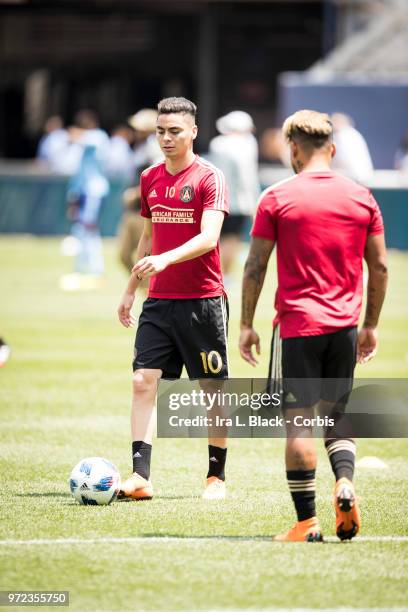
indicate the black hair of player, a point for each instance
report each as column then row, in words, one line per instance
column 176, row 105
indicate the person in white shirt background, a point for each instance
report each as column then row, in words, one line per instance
column 352, row 154
column 237, row 142
column 53, row 143
column 146, row 149
column 120, row 163
column 401, row 156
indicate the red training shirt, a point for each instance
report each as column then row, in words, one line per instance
column 175, row 204
column 320, row 222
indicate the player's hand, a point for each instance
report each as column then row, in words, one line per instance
column 248, row 337
column 151, row 265
column 367, row 343
column 124, row 314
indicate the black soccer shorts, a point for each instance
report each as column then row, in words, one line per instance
column 314, row 367
column 173, row 333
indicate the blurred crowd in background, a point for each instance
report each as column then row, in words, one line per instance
column 92, row 157
column 131, row 146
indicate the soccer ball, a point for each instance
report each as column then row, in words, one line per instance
column 94, row 481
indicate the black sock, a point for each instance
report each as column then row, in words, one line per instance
column 342, row 456
column 216, row 461
column 141, row 454
column 302, row 487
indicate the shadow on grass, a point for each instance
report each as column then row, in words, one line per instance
column 186, row 497
column 227, row 538
column 125, row 500
column 42, row 494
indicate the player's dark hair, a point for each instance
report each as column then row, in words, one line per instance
column 176, row 105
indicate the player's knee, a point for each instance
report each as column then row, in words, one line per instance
column 301, row 454
column 143, row 382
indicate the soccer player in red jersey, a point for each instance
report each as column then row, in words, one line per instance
column 184, row 320
column 323, row 225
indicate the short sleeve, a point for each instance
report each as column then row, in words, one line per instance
column 265, row 219
column 215, row 192
column 376, row 225
column 144, row 207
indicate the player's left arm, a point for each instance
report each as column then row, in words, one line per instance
column 375, row 255
column 205, row 241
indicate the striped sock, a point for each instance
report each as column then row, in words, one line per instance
column 302, row 487
column 342, row 456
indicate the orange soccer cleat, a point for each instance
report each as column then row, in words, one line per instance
column 136, row 487
column 348, row 520
column 215, row 489
column 303, row 531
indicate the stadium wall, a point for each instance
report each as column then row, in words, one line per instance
column 37, row 205
column 378, row 108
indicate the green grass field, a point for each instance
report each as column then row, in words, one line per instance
column 65, row 395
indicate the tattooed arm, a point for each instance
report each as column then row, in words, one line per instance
column 254, row 275
column 376, row 258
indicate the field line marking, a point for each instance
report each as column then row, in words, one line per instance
column 177, row 539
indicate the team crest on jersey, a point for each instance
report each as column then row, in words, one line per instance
column 186, row 193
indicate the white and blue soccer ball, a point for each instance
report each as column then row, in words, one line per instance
column 94, row 481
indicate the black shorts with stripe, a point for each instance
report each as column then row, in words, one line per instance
column 313, row 368
column 193, row 333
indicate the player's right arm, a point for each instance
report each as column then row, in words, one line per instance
column 262, row 243
column 375, row 255
column 144, row 248
column 254, row 275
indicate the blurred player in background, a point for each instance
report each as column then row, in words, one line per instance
column 401, row 156
column 237, row 143
column 323, row 225
column 85, row 132
column 184, row 319
column 53, row 143
column 120, row 162
column 146, row 150
column 352, row 153
column 131, row 230
column 86, row 192
column 86, row 158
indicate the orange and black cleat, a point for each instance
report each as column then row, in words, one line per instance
column 136, row 487
column 303, row 531
column 348, row 520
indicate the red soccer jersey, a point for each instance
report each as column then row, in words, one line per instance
column 320, row 222
column 175, row 204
